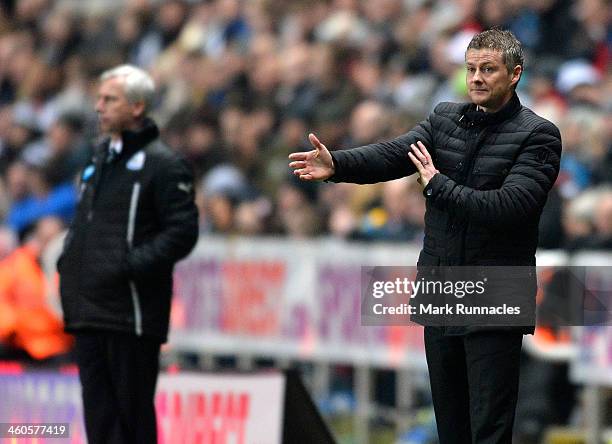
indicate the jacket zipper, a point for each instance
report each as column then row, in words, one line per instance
column 470, row 160
column 130, row 241
column 89, row 197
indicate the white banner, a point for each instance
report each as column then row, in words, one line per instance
column 301, row 300
column 220, row 408
column 289, row 299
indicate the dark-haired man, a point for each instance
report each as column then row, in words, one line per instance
column 486, row 168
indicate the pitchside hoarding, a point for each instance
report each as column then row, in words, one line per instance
column 287, row 299
column 191, row 408
column 317, row 300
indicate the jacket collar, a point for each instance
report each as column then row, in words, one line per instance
column 133, row 140
column 472, row 115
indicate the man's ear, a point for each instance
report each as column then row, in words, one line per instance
column 138, row 109
column 516, row 74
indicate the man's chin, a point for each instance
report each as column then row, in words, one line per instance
column 104, row 129
column 479, row 99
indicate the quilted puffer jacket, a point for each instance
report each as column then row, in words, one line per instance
column 496, row 169
column 136, row 217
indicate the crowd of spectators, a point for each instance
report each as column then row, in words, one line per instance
column 241, row 83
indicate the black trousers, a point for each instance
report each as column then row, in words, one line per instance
column 118, row 374
column 474, row 383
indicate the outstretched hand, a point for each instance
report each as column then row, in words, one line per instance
column 316, row 164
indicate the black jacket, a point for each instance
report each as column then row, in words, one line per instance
column 136, row 217
column 496, row 170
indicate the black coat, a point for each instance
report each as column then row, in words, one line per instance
column 136, row 217
column 496, row 170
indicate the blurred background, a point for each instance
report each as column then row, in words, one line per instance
column 240, row 85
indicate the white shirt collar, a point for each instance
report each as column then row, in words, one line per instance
column 116, row 145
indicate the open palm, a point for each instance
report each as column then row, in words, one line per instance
column 316, row 164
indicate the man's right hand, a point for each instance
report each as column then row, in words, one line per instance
column 316, row 164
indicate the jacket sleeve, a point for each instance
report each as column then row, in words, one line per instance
column 379, row 162
column 178, row 218
column 521, row 196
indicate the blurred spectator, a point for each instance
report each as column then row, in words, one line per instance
column 40, row 199
column 583, row 147
column 579, row 220
column 227, row 180
column 561, row 34
column 274, row 157
column 295, row 214
column 26, row 321
column 16, row 180
column 60, row 36
column 400, row 215
column 251, row 216
column 221, row 189
column 602, row 221
column 99, row 45
column 579, row 81
column 164, row 30
column 201, row 146
column 297, row 95
column 368, row 124
column 14, row 136
column 63, row 152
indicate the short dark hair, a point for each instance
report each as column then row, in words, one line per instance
column 502, row 41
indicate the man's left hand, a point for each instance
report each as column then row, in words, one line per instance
column 422, row 160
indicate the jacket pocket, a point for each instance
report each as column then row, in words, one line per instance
column 110, row 269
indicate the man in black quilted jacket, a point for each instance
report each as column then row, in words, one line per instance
column 136, row 217
column 486, row 168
